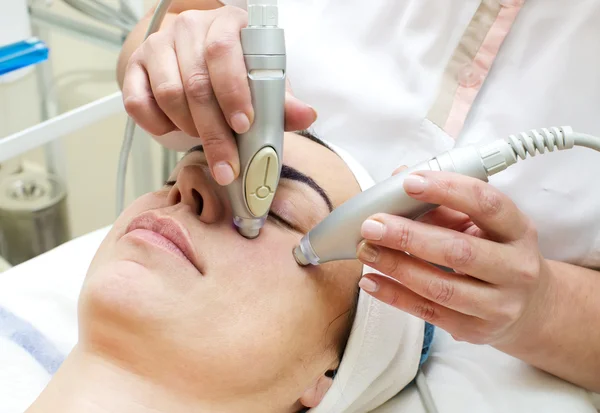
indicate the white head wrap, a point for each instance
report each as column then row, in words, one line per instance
column 383, row 351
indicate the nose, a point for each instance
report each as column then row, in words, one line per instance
column 193, row 188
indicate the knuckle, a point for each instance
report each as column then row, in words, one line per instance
column 446, row 188
column 529, row 269
column 477, row 334
column 232, row 91
column 508, row 313
column 236, row 12
column 390, row 265
column 402, row 237
column 189, row 19
column 221, row 47
column 198, row 87
column 136, row 105
column 169, row 94
column 458, row 253
column 136, row 58
column 488, row 200
column 394, row 299
column 531, row 231
column 212, row 139
column 425, row 311
column 440, row 290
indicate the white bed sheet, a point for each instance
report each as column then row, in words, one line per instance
column 462, row 377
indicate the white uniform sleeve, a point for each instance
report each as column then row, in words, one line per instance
column 238, row 3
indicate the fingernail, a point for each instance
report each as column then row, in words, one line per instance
column 368, row 285
column 315, row 113
column 240, row 122
column 372, row 230
column 223, row 173
column 415, row 184
column 368, row 253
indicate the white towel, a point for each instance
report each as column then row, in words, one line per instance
column 38, row 318
column 384, row 348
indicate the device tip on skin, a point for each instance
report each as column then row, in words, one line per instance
column 299, row 257
column 248, row 233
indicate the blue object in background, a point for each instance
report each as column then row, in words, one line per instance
column 22, row 54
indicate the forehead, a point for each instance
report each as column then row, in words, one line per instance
column 322, row 165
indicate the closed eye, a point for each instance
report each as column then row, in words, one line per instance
column 272, row 215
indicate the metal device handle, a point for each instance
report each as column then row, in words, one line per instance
column 337, row 237
column 261, row 148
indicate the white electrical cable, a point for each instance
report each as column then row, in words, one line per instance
column 587, row 141
column 425, row 393
column 157, row 19
column 501, row 154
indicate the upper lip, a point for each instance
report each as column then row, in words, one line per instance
column 170, row 229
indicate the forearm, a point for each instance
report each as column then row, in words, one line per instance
column 136, row 36
column 565, row 338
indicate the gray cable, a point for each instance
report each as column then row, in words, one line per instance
column 120, row 14
column 157, row 19
column 425, row 393
column 128, row 10
column 99, row 15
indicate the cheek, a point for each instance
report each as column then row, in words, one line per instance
column 264, row 308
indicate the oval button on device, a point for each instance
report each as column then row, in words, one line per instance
column 261, row 180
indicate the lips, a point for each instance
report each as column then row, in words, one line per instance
column 169, row 229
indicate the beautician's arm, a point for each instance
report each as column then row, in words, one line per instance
column 565, row 340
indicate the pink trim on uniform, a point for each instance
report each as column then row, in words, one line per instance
column 482, row 63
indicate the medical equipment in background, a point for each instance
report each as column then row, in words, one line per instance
column 22, row 54
column 14, row 27
column 37, row 220
column 337, row 236
column 261, row 148
column 33, row 215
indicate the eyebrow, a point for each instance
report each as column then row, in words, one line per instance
column 288, row 172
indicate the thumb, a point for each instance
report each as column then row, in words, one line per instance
column 298, row 115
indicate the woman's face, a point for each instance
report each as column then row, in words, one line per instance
column 211, row 311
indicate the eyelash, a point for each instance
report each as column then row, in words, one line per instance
column 271, row 213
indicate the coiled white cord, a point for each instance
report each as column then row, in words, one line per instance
column 157, row 19
column 540, row 140
column 503, row 153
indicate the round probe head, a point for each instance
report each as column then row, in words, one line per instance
column 299, row 257
column 248, row 233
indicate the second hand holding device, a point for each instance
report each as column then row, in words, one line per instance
column 261, row 148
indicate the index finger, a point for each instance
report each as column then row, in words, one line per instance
column 215, row 134
column 227, row 69
column 488, row 208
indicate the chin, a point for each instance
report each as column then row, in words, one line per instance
column 121, row 292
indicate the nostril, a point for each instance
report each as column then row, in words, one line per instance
column 199, row 202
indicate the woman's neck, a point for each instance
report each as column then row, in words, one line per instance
column 92, row 384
